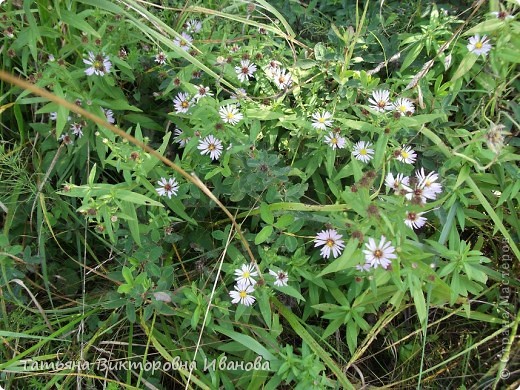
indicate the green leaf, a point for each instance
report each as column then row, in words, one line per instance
column 284, row 221
column 486, row 27
column 266, row 214
column 130, row 312
column 264, row 234
column 420, row 303
column 77, row 21
column 346, row 260
column 127, row 275
column 464, row 67
column 247, row 341
column 134, row 197
column 412, row 55
column 291, row 291
column 265, row 307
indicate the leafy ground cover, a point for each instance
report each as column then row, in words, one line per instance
column 282, row 194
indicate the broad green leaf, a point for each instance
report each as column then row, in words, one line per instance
column 414, row 52
column 264, row 234
column 265, row 307
column 266, row 214
column 464, row 67
column 247, row 341
column 134, row 197
column 486, row 27
column 420, row 303
column 346, row 260
column 77, row 20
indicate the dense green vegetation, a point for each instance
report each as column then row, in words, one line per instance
column 259, row 195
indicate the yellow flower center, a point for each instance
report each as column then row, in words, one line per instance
column 212, row 147
column 478, row 45
column 404, row 154
column 243, row 294
column 246, row 275
column 330, row 243
column 230, row 115
column 378, row 253
column 402, row 108
column 321, row 120
column 334, row 141
column 363, row 152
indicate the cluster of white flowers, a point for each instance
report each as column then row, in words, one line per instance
column 245, row 283
column 375, row 254
column 424, row 187
column 184, row 41
column 380, row 102
column 280, row 76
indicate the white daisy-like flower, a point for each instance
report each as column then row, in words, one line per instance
column 241, row 295
column 182, row 102
column 193, row 26
column 53, row 116
column 210, row 145
column 404, row 106
column 281, row 278
column 99, row 64
column 502, row 15
column 244, row 275
column 183, row 41
column 331, row 241
column 245, row 70
column 180, row 138
column 202, row 91
column 282, row 78
column 380, row 100
column 364, row 267
column 167, row 187
column 66, row 139
column 230, row 114
column 160, row 58
column 428, row 183
column 109, row 114
column 322, row 120
column 406, row 155
column 272, row 67
column 362, row 151
column 77, row 129
column 335, row 141
column 398, row 183
column 414, row 220
column 478, row 45
column 379, row 254
column 239, row 94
